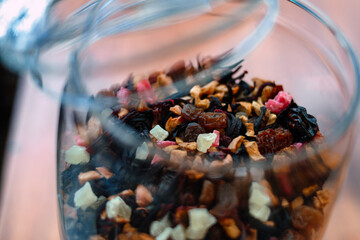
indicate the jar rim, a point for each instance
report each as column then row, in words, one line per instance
column 349, row 115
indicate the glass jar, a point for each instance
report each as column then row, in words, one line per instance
column 166, row 133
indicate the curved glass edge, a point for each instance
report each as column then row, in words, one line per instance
column 350, row 115
column 83, row 101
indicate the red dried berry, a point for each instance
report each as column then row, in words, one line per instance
column 273, row 140
column 212, row 120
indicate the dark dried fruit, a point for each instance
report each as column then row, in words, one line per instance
column 191, row 113
column 259, row 123
column 234, row 127
column 161, row 111
column 302, row 125
column 212, row 120
column 273, row 140
column 192, row 131
column 306, row 218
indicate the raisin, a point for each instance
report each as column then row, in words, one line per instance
column 273, row 140
column 212, row 120
column 291, row 234
column 306, row 218
column 191, row 113
column 192, row 131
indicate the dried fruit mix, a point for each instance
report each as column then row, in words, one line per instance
column 211, row 161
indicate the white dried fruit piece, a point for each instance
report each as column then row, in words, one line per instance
column 256, row 106
column 143, row 196
column 77, row 155
column 178, row 233
column 204, row 141
column 253, row 150
column 142, row 152
column 200, row 220
column 159, row 133
column 117, row 207
column 84, row 197
column 272, row 119
column 259, row 202
column 165, row 234
column 236, row 143
column 157, row 227
column 87, row 176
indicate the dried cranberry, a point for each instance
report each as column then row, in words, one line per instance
column 273, row 140
column 192, row 131
column 212, row 120
column 191, row 113
column 225, row 140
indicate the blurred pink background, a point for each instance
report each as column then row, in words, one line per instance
column 28, row 198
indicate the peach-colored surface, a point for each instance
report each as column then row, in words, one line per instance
column 28, row 199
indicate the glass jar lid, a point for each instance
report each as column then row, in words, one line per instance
column 43, row 38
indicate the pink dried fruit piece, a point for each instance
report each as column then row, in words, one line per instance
column 162, row 144
column 217, row 140
column 279, row 103
column 123, row 96
column 145, row 91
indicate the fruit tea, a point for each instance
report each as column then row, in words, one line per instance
column 210, row 161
